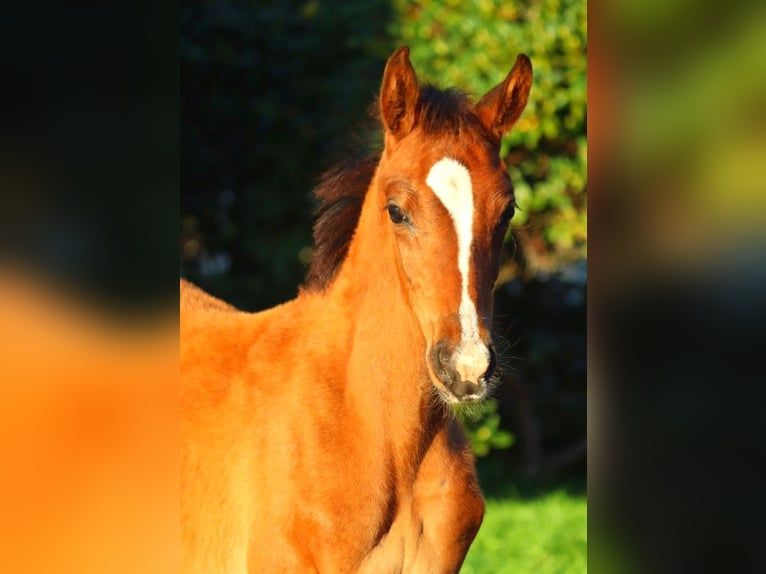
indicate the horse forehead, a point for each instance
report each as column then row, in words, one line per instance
column 451, row 182
column 462, row 185
column 468, row 194
column 475, row 164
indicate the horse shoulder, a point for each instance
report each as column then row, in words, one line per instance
column 257, row 388
column 239, row 362
column 223, row 409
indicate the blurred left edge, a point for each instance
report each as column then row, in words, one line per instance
column 88, row 288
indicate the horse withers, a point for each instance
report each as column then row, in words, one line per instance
column 315, row 435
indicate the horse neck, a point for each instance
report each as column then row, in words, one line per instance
column 388, row 388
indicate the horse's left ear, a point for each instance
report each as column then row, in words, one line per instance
column 399, row 94
column 499, row 109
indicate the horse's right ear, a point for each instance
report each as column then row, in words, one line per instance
column 399, row 94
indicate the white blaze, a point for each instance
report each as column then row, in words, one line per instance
column 451, row 182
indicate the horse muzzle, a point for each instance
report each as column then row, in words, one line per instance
column 463, row 370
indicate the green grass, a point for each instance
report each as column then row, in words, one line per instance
column 538, row 532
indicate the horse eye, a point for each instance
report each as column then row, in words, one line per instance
column 396, row 214
column 507, row 215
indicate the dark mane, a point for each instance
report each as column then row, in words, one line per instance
column 339, row 197
column 447, row 111
column 340, row 193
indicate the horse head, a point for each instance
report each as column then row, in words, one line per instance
column 446, row 200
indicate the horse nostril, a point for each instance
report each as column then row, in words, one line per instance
column 440, row 357
column 492, row 364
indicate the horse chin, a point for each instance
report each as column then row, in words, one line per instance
column 448, row 397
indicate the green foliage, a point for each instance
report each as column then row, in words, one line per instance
column 272, row 92
column 472, row 44
column 544, row 535
column 270, row 95
column 482, row 425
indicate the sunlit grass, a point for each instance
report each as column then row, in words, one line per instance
column 544, row 534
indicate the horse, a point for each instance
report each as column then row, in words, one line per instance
column 317, row 436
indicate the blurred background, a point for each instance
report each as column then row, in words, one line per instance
column 272, row 93
column 677, row 287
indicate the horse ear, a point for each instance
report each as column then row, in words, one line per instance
column 499, row 109
column 399, row 94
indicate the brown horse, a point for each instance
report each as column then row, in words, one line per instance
column 315, row 434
